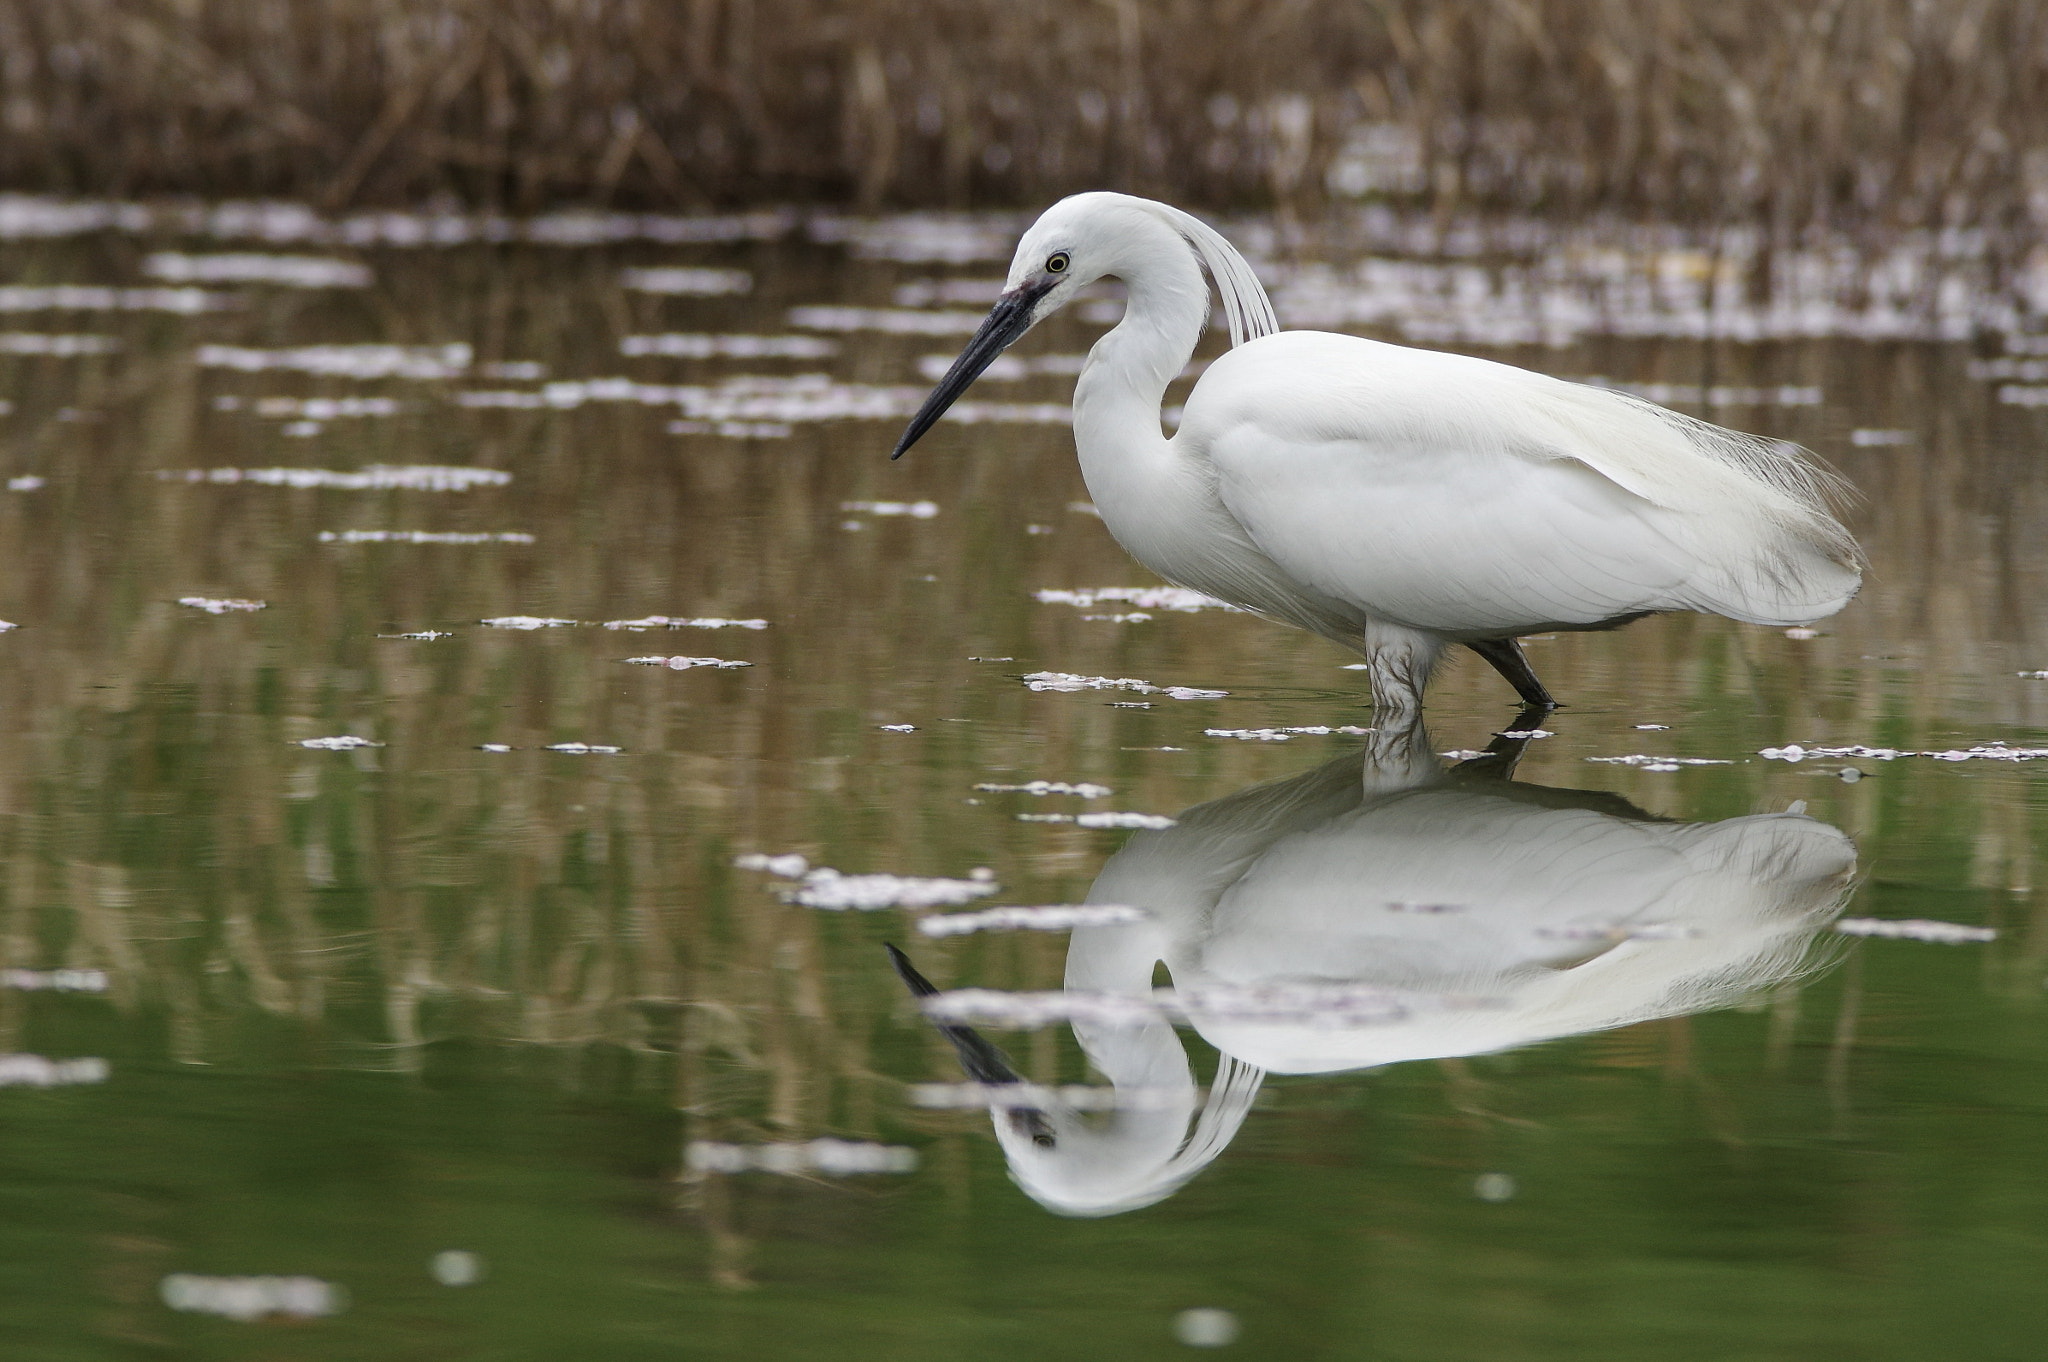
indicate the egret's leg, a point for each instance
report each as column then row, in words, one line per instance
column 1402, row 660
column 1505, row 655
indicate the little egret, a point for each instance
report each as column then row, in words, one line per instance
column 1397, row 501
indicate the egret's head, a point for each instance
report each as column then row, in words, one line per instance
column 1063, row 252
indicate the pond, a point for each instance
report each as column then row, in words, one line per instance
column 460, row 671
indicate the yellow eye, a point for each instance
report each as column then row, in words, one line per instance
column 1058, row 264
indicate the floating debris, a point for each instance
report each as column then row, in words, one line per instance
column 1994, row 751
column 27, row 482
column 421, row 362
column 1050, row 918
column 1283, row 734
column 1916, row 929
column 455, row 1267
column 187, row 302
column 916, row 510
column 1143, row 597
column 375, row 478
column 1082, row 790
column 34, row 1071
column 1068, row 681
column 827, row 888
column 55, row 980
column 345, row 743
column 1034, row 1097
column 2031, row 676
column 1525, row 733
column 686, row 281
column 221, row 605
column 677, row 622
column 1493, row 1187
column 832, row 1158
column 1102, row 820
column 290, row 271
column 1801, row 632
column 493, row 747
column 683, row 664
column 1653, row 728
column 251, row 1298
column 424, row 537
column 422, row 636
column 688, row 345
column 583, row 749
column 528, row 622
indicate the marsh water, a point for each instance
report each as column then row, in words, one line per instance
column 511, row 1030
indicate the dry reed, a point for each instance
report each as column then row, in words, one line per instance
column 1788, row 113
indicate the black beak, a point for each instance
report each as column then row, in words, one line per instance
column 984, row 1063
column 1008, row 320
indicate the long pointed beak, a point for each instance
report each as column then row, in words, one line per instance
column 1008, row 320
column 983, row 1062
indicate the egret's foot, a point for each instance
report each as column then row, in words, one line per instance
column 1505, row 656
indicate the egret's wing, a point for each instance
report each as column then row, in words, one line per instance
column 1456, row 495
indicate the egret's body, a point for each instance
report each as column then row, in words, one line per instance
column 1399, row 500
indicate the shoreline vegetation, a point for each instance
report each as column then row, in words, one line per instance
column 1782, row 115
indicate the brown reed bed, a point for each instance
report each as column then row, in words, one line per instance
column 1786, row 113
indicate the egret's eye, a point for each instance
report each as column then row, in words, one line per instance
column 1058, row 263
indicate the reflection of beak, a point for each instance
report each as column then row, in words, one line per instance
column 983, row 1062
column 1008, row 320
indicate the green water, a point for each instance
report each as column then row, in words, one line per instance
column 365, row 1007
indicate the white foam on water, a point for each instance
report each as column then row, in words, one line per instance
column 1646, row 762
column 424, row 537
column 889, row 321
column 55, row 980
column 828, row 1157
column 34, row 1071
column 734, row 430
column 344, row 743
column 1916, row 929
column 685, row 345
column 916, row 510
column 932, row 292
column 60, row 347
column 290, row 271
column 1177, row 598
column 375, row 478
column 2034, row 676
column 515, row 370
column 825, row 887
column 678, row 280
column 1993, row 751
column 184, row 302
column 312, row 408
column 1102, row 820
column 419, row 362
column 1082, row 790
column 493, row 747
column 423, row 635
column 795, row 398
column 27, row 482
column 1283, row 734
column 1525, row 733
column 1007, row 368
column 1046, row 918
column 220, row 605
column 1865, row 439
column 528, row 622
column 683, row 664
column 584, row 749
column 922, row 238
column 1069, row 681
column 1034, row 1097
column 247, row 1299
column 678, row 622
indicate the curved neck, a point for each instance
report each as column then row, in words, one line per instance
column 1116, row 401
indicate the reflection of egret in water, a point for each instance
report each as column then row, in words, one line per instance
column 1522, row 913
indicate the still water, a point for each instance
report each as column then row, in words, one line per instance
column 452, row 658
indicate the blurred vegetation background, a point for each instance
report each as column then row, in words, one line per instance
column 1788, row 114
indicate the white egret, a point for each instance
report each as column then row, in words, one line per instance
column 1398, row 501
column 1499, row 914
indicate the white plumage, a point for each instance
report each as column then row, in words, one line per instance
column 1397, row 500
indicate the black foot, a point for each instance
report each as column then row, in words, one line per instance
column 1505, row 656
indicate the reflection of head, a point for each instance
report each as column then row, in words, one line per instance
column 1503, row 914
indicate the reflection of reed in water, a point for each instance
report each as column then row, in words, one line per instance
column 1481, row 914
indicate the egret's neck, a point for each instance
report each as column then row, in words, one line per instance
column 1116, row 401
